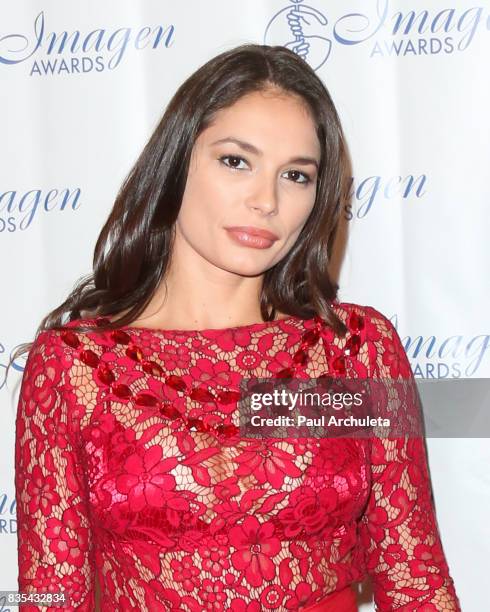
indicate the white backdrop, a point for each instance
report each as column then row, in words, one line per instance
column 410, row 81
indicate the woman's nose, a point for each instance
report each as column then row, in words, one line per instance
column 264, row 197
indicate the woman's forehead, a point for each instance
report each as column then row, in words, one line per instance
column 257, row 119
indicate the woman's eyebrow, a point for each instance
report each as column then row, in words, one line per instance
column 246, row 146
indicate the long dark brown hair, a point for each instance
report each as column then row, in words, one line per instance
column 133, row 249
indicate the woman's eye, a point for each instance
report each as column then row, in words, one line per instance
column 298, row 177
column 232, row 161
column 235, row 162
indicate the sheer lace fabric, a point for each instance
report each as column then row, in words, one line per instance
column 128, row 464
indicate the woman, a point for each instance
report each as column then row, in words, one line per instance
column 132, row 478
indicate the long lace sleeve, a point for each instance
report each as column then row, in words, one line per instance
column 399, row 532
column 55, row 551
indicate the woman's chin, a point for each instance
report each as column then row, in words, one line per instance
column 246, row 268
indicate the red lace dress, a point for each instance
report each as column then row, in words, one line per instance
column 130, row 471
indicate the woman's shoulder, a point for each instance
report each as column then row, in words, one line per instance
column 351, row 313
column 47, row 341
column 44, row 369
column 371, row 343
column 62, row 345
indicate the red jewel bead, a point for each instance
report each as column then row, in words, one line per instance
column 146, row 399
column 353, row 345
column 300, row 357
column 263, row 387
column 339, row 364
column 134, row 352
column 229, row 430
column 89, row 357
column 150, row 367
column 325, row 381
column 326, row 377
column 70, row 338
column 105, row 374
column 121, row 390
column 228, row 397
column 120, row 336
column 176, row 382
column 311, row 336
column 169, row 411
column 201, row 395
column 285, row 373
column 197, row 425
column 100, row 321
column 356, row 322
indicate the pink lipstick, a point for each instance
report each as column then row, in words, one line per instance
column 254, row 237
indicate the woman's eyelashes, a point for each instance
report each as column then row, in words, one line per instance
column 306, row 177
column 233, row 158
column 234, row 161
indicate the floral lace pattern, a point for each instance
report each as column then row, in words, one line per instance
column 129, row 464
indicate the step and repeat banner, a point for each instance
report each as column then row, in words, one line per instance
column 83, row 85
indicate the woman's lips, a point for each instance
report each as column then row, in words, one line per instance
column 252, row 237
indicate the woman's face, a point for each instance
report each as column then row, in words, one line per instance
column 254, row 168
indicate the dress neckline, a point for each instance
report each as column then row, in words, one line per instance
column 259, row 325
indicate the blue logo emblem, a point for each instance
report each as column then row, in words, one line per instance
column 301, row 28
column 383, row 31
